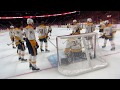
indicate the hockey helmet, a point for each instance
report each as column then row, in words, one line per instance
column 11, row 26
column 30, row 21
column 89, row 20
column 74, row 21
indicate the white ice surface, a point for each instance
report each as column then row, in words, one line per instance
column 10, row 67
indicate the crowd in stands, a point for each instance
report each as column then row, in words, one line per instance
column 59, row 20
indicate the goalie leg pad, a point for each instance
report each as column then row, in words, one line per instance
column 64, row 61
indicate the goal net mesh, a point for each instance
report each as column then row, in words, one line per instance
column 78, row 54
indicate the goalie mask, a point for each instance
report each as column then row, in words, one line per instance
column 30, row 21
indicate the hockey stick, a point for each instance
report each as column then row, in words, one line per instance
column 9, row 44
column 10, row 23
column 52, row 43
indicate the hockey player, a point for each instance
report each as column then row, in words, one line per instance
column 73, row 49
column 11, row 34
column 76, row 28
column 90, row 27
column 19, row 43
column 49, row 30
column 108, row 35
column 101, row 28
column 31, row 43
column 43, row 36
column 68, row 26
column 75, row 31
column 73, row 46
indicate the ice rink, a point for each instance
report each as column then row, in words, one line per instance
column 11, row 68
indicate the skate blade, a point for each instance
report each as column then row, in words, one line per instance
column 112, row 50
column 36, row 70
column 24, row 61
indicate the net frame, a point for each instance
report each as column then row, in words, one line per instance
column 78, row 70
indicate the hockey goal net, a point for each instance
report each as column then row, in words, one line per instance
column 79, row 54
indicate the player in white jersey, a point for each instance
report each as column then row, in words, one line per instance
column 50, row 30
column 101, row 27
column 68, row 26
column 73, row 48
column 43, row 36
column 11, row 34
column 76, row 28
column 108, row 35
column 90, row 27
column 73, row 43
column 31, row 43
column 19, row 42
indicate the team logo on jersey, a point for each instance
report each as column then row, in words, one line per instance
column 31, row 32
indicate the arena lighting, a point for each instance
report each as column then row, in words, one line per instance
column 61, row 14
column 28, row 16
column 10, row 17
column 57, row 14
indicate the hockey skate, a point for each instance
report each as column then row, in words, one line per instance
column 19, row 58
column 23, row 60
column 14, row 47
column 104, row 46
column 113, row 49
column 34, row 68
column 100, row 37
column 30, row 65
column 46, row 50
column 42, row 50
